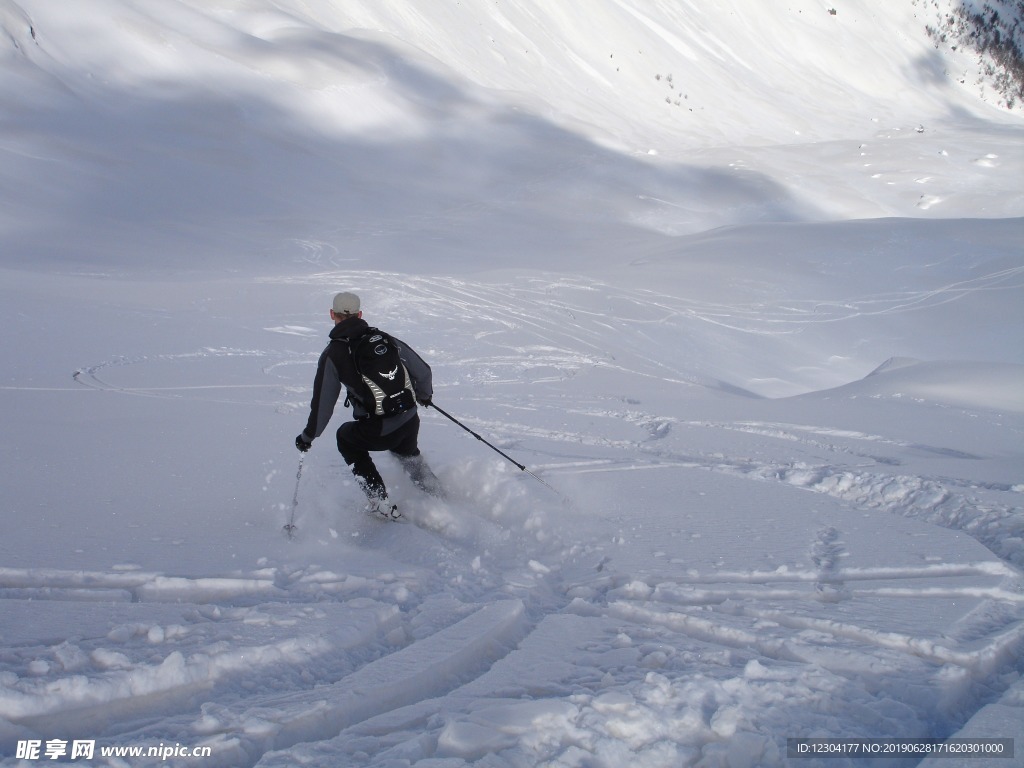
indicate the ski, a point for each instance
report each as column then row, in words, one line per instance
column 388, row 516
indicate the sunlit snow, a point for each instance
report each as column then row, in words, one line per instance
column 742, row 283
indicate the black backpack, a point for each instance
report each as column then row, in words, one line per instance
column 385, row 388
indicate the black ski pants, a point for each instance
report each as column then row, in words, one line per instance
column 357, row 438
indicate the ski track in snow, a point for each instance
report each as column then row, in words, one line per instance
column 404, row 647
column 493, row 572
column 560, row 352
column 716, row 570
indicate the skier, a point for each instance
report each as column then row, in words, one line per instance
column 369, row 431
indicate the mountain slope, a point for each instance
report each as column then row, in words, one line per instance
column 377, row 127
column 670, row 317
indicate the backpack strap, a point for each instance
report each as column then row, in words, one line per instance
column 350, row 342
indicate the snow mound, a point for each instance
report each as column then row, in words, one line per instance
column 986, row 386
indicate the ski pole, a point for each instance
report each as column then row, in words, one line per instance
column 496, row 450
column 289, row 528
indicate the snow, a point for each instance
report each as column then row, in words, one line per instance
column 741, row 286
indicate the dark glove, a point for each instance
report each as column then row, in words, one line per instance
column 302, row 443
column 424, row 401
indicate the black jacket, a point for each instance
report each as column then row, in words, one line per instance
column 335, row 370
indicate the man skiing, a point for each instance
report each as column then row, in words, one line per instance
column 376, row 427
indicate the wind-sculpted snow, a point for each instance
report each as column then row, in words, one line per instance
column 680, row 597
column 742, row 286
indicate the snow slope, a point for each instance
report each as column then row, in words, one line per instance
column 742, row 286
